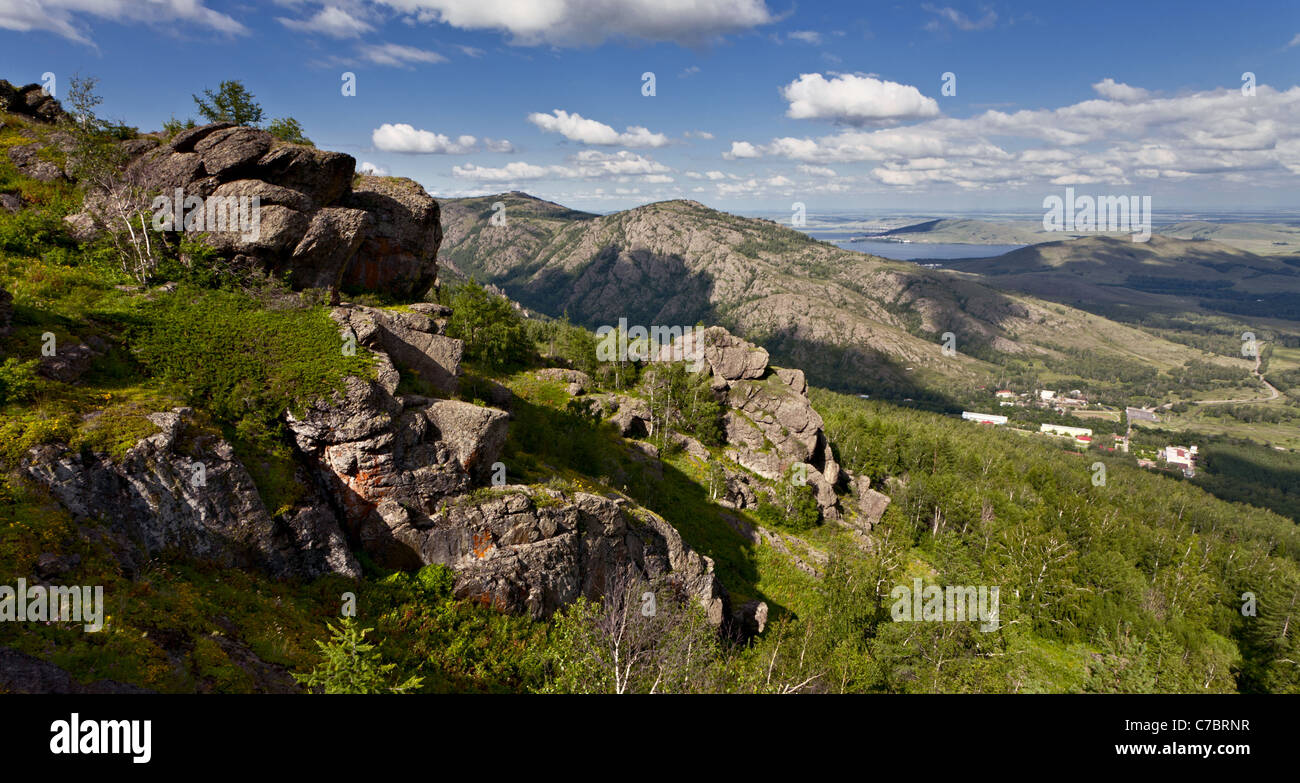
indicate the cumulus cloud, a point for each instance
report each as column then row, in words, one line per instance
column 1118, row 91
column 68, row 18
column 575, row 127
column 742, row 149
column 511, row 172
column 331, row 21
column 698, row 134
column 591, row 22
column 588, row 164
column 366, row 167
column 1116, row 139
column 401, row 137
column 854, row 99
column 399, row 55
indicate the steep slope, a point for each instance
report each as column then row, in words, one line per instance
column 852, row 321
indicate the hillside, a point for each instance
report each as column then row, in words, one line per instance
column 969, row 231
column 1176, row 275
column 854, row 322
column 263, row 448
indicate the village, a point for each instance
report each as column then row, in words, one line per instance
column 1171, row 457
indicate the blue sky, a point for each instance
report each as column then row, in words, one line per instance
column 838, row 105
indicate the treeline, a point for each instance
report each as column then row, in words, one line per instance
column 1140, row 574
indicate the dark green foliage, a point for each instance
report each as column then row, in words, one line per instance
column 173, row 126
column 290, row 130
column 231, row 102
column 225, row 350
column 350, row 664
column 18, row 381
column 794, row 506
column 493, row 332
column 1148, row 570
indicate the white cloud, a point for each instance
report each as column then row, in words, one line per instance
column 807, row 36
column 597, row 163
column 366, row 167
column 689, row 71
column 742, row 149
column 398, row 55
column 816, row 171
column 698, row 134
column 1214, row 135
column 854, row 99
column 66, row 17
column 591, row 22
column 1118, row 91
column 958, row 19
column 587, row 164
column 401, row 137
column 575, row 127
column 1294, row 41
column 498, row 145
column 511, row 172
column 330, row 20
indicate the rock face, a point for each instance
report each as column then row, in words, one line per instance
column 871, row 504
column 398, row 254
column 30, row 101
column 770, row 424
column 525, row 553
column 403, row 469
column 182, row 490
column 414, row 339
column 381, row 234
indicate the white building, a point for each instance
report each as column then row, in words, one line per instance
column 1179, row 455
column 1064, row 431
column 984, row 418
column 1046, row 394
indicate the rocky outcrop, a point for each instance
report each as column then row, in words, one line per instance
column 408, row 474
column 770, row 425
column 398, row 254
column 871, row 504
column 30, row 101
column 525, row 553
column 631, row 415
column 183, row 490
column 313, row 224
column 29, row 161
column 577, row 382
column 414, row 338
